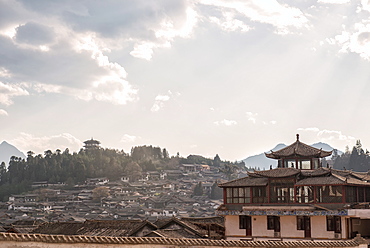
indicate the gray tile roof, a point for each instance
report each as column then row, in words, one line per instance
column 298, row 149
column 321, row 176
column 278, row 172
column 320, row 181
column 246, row 181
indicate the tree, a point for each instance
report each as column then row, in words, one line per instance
column 335, row 155
column 133, row 170
column 100, row 193
column 358, row 160
column 2, row 172
column 217, row 161
column 198, row 189
column 30, row 153
column 165, row 153
column 48, row 153
column 229, row 170
column 216, row 192
column 359, row 147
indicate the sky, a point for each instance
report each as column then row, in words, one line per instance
column 205, row 77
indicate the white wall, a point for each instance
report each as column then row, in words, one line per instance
column 318, row 228
column 232, row 226
column 288, row 227
column 259, row 227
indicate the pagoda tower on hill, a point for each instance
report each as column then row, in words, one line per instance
column 92, row 144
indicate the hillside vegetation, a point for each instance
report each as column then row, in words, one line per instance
column 73, row 168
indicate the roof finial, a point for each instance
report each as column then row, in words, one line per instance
column 297, row 136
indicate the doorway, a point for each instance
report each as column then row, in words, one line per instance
column 307, row 226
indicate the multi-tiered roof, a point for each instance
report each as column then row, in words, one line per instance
column 298, row 149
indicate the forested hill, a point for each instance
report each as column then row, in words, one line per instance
column 74, row 168
column 357, row 159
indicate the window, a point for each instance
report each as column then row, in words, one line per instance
column 333, row 223
column 238, row 195
column 361, row 194
column 243, row 221
column 367, row 194
column 315, row 163
column 304, row 164
column 351, row 194
column 329, row 194
column 290, row 163
column 259, row 195
column 300, row 223
column 305, row 194
column 282, row 190
column 273, row 223
column 229, row 195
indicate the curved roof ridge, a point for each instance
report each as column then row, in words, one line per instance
column 339, row 177
column 278, row 172
column 298, row 149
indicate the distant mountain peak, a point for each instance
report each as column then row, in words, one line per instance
column 278, row 147
column 7, row 151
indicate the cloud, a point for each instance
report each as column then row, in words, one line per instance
column 282, row 16
column 357, row 41
column 252, row 117
column 354, row 36
column 4, row 73
column 365, row 4
column 82, row 69
column 8, row 91
column 34, row 33
column 225, row 122
column 3, row 112
column 128, row 138
column 161, row 99
column 229, row 23
column 333, row 135
column 144, row 50
column 269, row 122
column 27, row 142
column 309, row 129
column 334, row 1
column 329, row 136
column 165, row 34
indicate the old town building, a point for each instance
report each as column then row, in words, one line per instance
column 301, row 199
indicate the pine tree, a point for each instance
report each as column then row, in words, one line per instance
column 198, row 189
column 217, row 161
column 216, row 192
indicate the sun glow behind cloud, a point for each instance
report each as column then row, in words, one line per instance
column 281, row 16
column 165, row 35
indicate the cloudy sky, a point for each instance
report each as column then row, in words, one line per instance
column 196, row 77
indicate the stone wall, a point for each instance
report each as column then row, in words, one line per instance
column 11, row 240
